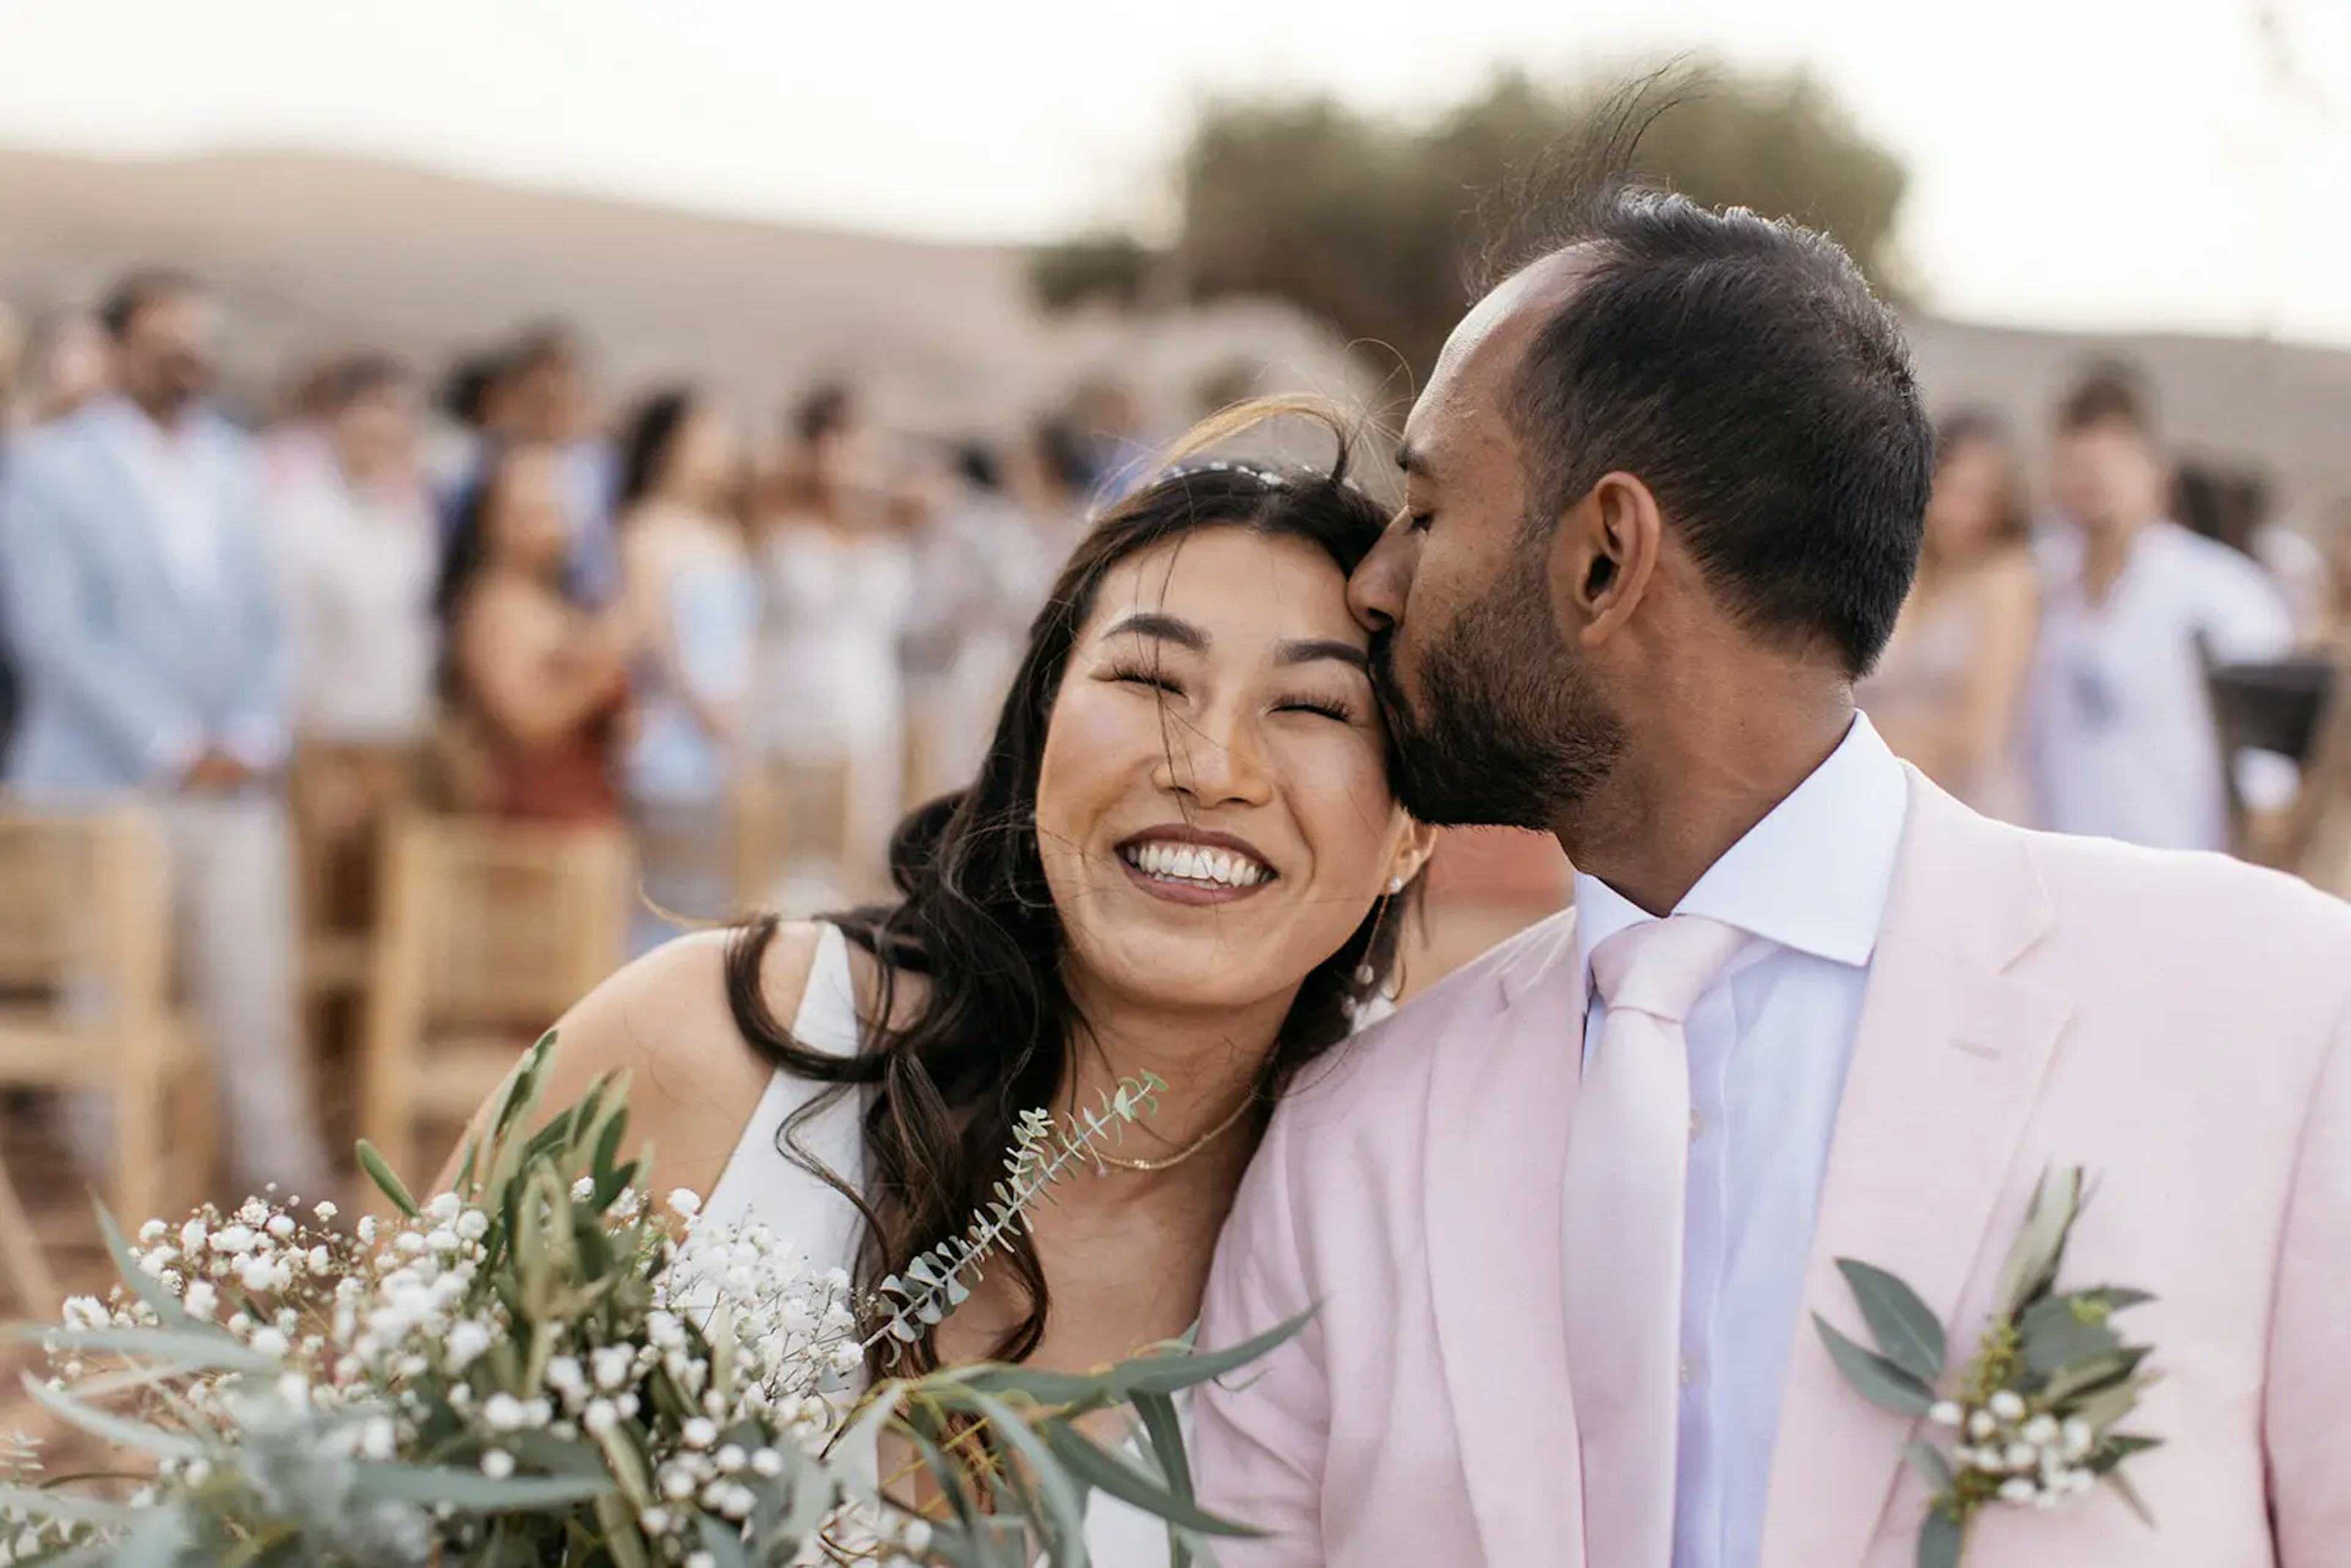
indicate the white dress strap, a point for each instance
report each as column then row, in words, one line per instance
column 763, row 1180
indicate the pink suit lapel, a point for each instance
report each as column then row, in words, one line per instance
column 1947, row 1067
column 1499, row 1111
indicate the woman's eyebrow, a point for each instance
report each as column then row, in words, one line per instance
column 1305, row 651
column 1161, row 629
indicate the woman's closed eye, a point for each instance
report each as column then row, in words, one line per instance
column 1150, row 675
column 1334, row 707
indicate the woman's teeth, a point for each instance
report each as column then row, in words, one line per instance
column 1190, row 863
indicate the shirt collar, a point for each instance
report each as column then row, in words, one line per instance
column 1813, row 875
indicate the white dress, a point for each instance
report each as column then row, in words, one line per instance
column 762, row 1183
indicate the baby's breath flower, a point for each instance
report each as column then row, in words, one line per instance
column 497, row 1464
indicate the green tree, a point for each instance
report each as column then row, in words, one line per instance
column 1377, row 225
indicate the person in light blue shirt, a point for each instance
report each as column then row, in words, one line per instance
column 141, row 607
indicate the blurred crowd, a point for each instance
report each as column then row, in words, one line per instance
column 499, row 595
column 2056, row 664
column 494, row 596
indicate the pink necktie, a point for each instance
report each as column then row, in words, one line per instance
column 1628, row 1164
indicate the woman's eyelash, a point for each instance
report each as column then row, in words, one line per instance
column 1143, row 676
column 1329, row 708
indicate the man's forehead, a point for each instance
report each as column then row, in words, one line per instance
column 1486, row 348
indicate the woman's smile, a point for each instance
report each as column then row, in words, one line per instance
column 1184, row 864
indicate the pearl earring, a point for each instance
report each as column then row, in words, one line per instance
column 1395, row 884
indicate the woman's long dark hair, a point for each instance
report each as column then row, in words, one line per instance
column 991, row 1034
column 652, row 434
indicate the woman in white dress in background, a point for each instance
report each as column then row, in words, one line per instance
column 1181, row 857
column 1948, row 691
column 828, row 695
column 693, row 604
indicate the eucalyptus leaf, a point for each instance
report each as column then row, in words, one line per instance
column 2129, row 1494
column 471, row 1492
column 1941, row 1539
column 1873, row 1376
column 1064, row 1502
column 722, row 1541
column 184, row 1349
column 2058, row 1337
column 1106, row 1472
column 113, row 1429
column 145, row 1286
column 621, row 1540
column 2039, row 1245
column 1932, row 1466
column 2094, row 1377
column 380, row 1172
column 65, row 1505
column 1908, row 1333
column 154, row 1540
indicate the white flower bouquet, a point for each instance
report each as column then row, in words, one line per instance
column 539, row 1369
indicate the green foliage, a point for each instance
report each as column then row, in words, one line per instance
column 273, row 1451
column 1375, row 224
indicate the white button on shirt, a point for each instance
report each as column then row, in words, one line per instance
column 1769, row 1044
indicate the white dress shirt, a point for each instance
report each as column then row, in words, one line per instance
column 2118, row 730
column 1769, row 1043
column 174, row 472
column 360, row 571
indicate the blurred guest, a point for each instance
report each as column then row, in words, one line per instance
column 1051, row 479
column 1951, row 685
column 1108, row 418
column 2231, row 506
column 982, row 570
column 65, row 365
column 2120, row 733
column 693, row 605
column 535, row 688
column 294, row 448
column 537, row 393
column 830, row 703
column 358, row 548
column 143, row 612
column 12, row 344
column 12, row 351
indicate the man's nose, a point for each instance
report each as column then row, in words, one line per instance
column 1375, row 592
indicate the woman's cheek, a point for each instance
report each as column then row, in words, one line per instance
column 1339, row 786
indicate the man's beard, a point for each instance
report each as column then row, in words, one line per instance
column 1503, row 734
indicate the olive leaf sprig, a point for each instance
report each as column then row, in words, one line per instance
column 2031, row 1419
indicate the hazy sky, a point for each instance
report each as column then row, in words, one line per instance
column 2084, row 163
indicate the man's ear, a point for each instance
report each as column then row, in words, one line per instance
column 1603, row 554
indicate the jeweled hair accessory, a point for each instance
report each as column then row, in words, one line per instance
column 1272, row 479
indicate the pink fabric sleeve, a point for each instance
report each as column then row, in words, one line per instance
column 1258, row 1439
column 2306, row 1426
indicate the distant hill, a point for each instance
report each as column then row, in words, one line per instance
column 317, row 253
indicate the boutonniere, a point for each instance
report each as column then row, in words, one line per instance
column 2028, row 1422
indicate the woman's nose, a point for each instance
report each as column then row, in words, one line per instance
column 1375, row 592
column 1216, row 760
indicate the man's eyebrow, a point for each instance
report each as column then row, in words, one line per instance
column 1306, row 650
column 1161, row 629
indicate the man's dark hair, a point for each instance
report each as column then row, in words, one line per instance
column 128, row 299
column 2107, row 392
column 1741, row 369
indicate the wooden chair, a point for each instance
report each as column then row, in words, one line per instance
column 489, row 930
column 85, row 1004
column 789, row 812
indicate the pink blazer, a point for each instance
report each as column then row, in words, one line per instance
column 2179, row 1024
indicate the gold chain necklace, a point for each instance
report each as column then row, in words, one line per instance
column 1165, row 1162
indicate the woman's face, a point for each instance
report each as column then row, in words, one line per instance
column 703, row 458
column 1213, row 809
column 526, row 513
column 1970, row 496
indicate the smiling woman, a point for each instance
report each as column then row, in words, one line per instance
column 1181, row 857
